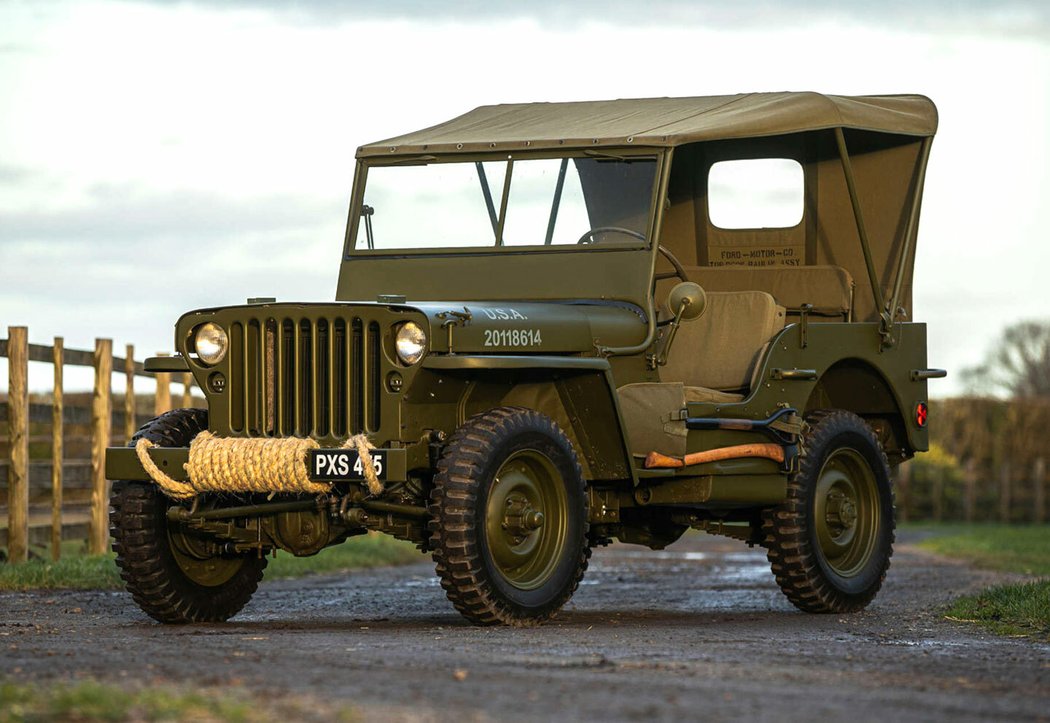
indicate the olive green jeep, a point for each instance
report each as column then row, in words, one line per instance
column 559, row 325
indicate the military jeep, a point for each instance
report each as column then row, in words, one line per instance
column 546, row 338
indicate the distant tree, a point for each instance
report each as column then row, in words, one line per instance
column 1018, row 365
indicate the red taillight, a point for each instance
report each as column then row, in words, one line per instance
column 922, row 414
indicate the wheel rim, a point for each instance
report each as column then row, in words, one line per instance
column 847, row 515
column 526, row 519
column 199, row 562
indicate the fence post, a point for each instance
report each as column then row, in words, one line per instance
column 130, row 422
column 1004, row 492
column 18, row 436
column 162, row 399
column 970, row 498
column 187, row 390
column 57, row 453
column 903, row 496
column 1039, row 483
column 101, row 424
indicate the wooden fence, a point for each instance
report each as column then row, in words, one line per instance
column 991, row 464
column 50, row 495
column 1012, row 493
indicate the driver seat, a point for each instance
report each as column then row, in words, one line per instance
column 716, row 356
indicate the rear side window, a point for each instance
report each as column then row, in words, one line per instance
column 756, row 193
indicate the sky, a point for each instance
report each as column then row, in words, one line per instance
column 157, row 157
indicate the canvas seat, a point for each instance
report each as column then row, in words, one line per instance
column 715, row 356
column 713, row 360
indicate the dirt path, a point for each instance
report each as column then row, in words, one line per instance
column 699, row 630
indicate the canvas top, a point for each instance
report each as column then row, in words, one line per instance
column 661, row 122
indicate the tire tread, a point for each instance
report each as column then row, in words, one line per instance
column 786, row 534
column 141, row 545
column 453, row 511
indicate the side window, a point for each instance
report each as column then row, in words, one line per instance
column 757, row 193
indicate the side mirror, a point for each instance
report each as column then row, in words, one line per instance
column 687, row 301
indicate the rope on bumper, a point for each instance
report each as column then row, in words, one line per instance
column 225, row 464
column 363, row 445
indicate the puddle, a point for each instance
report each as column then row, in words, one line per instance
column 662, row 555
column 745, row 573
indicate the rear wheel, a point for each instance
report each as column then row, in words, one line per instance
column 509, row 523
column 174, row 574
column 830, row 543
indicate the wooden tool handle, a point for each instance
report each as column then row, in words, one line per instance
column 766, row 451
column 655, row 459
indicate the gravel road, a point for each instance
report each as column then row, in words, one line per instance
column 698, row 630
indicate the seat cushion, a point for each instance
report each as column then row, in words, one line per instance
column 718, row 351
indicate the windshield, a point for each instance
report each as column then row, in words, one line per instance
column 507, row 203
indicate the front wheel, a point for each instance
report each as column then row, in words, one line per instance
column 830, row 543
column 509, row 518
column 174, row 574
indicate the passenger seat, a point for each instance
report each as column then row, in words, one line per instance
column 716, row 355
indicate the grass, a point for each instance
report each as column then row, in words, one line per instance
column 372, row 550
column 1023, row 549
column 77, row 570
column 1021, row 609
column 91, row 701
column 94, row 701
column 1013, row 609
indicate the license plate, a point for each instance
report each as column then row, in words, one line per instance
column 344, row 465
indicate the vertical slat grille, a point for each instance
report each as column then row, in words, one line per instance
column 269, row 378
column 374, row 371
column 254, row 379
column 357, row 370
column 238, row 390
column 340, row 388
column 305, row 377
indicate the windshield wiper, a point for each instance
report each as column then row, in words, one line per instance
column 366, row 213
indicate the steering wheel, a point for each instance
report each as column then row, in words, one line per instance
column 679, row 272
column 589, row 236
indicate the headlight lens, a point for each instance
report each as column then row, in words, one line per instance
column 211, row 343
column 411, row 343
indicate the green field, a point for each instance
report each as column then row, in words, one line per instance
column 1012, row 548
column 1014, row 609
column 79, row 571
column 93, row 701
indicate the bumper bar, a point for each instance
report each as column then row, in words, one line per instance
column 122, row 463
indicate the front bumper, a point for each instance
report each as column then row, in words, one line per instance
column 123, row 464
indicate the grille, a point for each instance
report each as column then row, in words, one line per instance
column 304, row 377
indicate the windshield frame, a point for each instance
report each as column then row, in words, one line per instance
column 657, row 155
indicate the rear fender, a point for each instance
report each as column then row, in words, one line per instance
column 857, row 386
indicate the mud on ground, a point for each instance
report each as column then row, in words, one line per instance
column 698, row 630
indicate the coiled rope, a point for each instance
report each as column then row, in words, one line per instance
column 228, row 464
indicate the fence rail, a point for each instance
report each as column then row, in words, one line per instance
column 49, row 499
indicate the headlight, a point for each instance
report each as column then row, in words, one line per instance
column 211, row 343
column 411, row 343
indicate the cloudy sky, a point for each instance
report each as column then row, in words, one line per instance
column 161, row 156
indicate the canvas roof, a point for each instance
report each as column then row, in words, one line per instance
column 661, row 122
